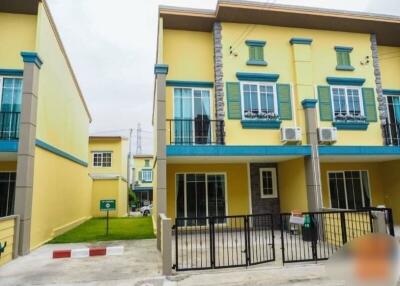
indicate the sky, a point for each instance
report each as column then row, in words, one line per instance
column 112, row 48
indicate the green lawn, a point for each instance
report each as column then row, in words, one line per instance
column 119, row 229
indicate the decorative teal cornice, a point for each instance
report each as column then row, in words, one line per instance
column 261, row 124
column 345, row 81
column 391, row 91
column 182, row 83
column 237, row 150
column 255, row 43
column 32, row 57
column 257, row 76
column 142, row 189
column 343, row 49
column 256, row 63
column 309, row 103
column 59, row 152
column 359, row 150
column 301, row 41
column 11, row 72
column 344, row 68
column 161, row 69
column 8, row 146
column 346, row 125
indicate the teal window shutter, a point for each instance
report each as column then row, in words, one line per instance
column 234, row 100
column 369, row 104
column 284, row 101
column 325, row 103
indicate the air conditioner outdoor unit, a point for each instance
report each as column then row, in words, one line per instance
column 291, row 134
column 327, row 135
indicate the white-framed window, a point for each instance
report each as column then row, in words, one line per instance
column 349, row 189
column 201, row 195
column 11, row 94
column 259, row 100
column 102, row 159
column 268, row 184
column 347, row 102
column 147, row 175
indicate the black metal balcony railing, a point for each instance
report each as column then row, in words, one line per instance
column 200, row 131
column 392, row 134
column 9, row 125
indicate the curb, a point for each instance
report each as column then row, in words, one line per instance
column 87, row 252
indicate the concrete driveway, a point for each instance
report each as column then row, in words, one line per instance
column 140, row 260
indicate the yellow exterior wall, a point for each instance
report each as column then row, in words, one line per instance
column 376, row 185
column 292, row 185
column 61, row 196
column 139, row 164
column 389, row 60
column 109, row 189
column 18, row 33
column 391, row 183
column 237, row 187
column 8, row 166
column 61, row 188
column 118, row 147
column 7, row 232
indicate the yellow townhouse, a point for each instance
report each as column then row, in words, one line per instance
column 45, row 188
column 108, row 169
column 273, row 108
column 142, row 181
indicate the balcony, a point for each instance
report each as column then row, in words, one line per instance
column 392, row 134
column 199, row 131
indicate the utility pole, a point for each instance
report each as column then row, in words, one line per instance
column 129, row 171
column 138, row 139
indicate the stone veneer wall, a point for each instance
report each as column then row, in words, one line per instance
column 218, row 77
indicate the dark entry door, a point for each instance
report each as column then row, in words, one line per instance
column 7, row 193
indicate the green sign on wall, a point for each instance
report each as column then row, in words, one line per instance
column 107, row 205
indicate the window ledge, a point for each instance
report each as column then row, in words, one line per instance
column 261, row 124
column 350, row 125
column 344, row 68
column 256, row 63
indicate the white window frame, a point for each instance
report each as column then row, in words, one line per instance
column 345, row 188
column 102, row 161
column 148, row 171
column 185, row 191
column 274, row 183
column 258, row 83
column 346, row 87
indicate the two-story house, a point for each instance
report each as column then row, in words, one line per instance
column 273, row 108
column 44, row 125
column 108, row 169
column 142, row 182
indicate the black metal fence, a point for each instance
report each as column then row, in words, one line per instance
column 9, row 125
column 201, row 131
column 392, row 134
column 224, row 241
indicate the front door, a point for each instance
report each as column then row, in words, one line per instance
column 393, row 127
column 7, row 193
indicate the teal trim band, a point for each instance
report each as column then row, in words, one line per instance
column 181, row 83
column 343, row 49
column 11, row 72
column 350, row 125
column 301, row 41
column 257, row 76
column 160, row 69
column 309, row 103
column 359, row 150
column 59, row 152
column 391, row 91
column 142, row 189
column 32, row 57
column 8, row 146
column 345, row 81
column 256, row 63
column 237, row 150
column 344, row 68
column 261, row 124
column 255, row 43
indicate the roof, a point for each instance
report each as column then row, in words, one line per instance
column 143, row 156
column 250, row 12
column 96, row 137
column 29, row 7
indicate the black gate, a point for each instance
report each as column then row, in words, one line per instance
column 322, row 233
column 224, row 241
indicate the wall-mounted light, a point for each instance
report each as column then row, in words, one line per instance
column 365, row 61
column 232, row 52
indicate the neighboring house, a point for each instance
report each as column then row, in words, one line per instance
column 44, row 125
column 142, row 182
column 108, row 169
column 271, row 108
